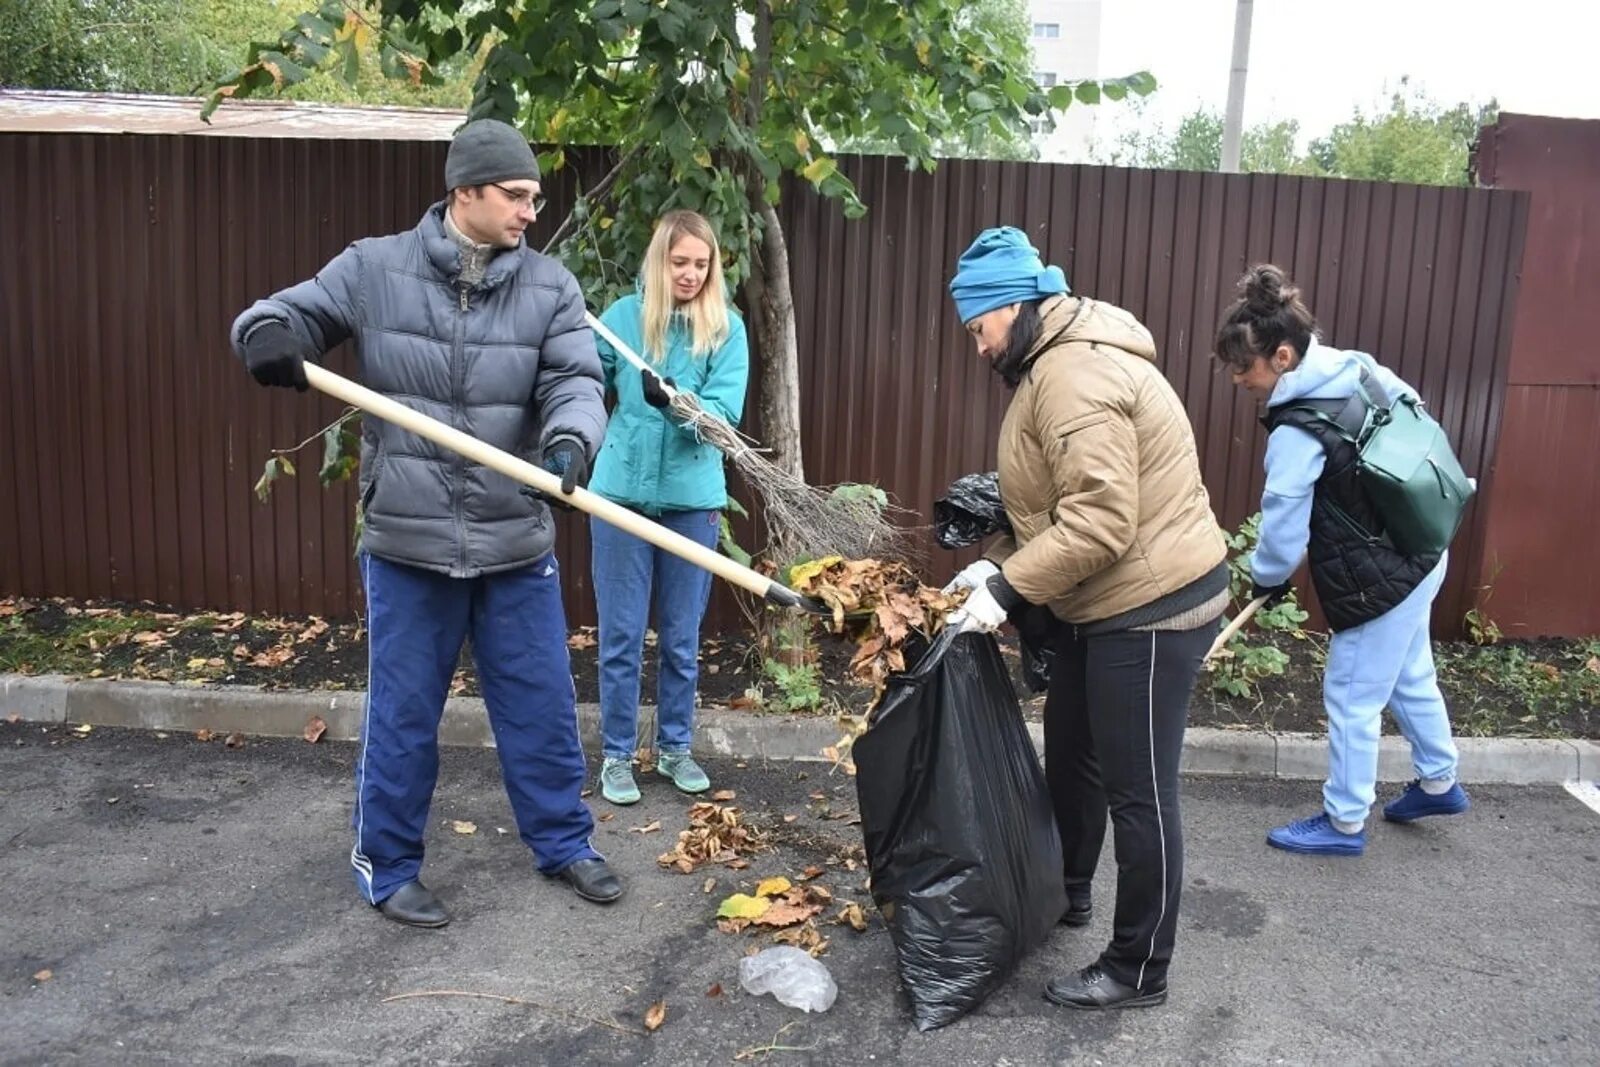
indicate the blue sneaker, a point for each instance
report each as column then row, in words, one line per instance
column 1317, row 837
column 1416, row 803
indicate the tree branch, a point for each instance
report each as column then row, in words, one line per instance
column 600, row 189
column 348, row 414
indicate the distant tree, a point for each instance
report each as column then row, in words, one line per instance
column 1196, row 144
column 1415, row 140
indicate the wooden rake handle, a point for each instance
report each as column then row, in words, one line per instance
column 1235, row 626
column 520, row 470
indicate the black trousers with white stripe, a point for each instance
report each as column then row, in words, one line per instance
column 1113, row 731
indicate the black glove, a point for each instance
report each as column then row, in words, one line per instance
column 275, row 356
column 654, row 394
column 1273, row 593
column 565, row 457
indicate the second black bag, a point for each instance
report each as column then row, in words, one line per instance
column 960, row 833
column 969, row 511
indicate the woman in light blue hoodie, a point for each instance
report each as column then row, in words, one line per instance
column 680, row 322
column 1377, row 600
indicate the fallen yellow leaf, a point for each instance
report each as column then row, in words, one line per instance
column 315, row 728
column 648, row 828
column 723, row 795
column 461, row 826
column 655, row 1016
column 44, row 975
column 773, row 887
column 82, row 731
column 743, row 906
column 196, row 663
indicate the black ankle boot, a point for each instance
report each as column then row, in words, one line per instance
column 1079, row 911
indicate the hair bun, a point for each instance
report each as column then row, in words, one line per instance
column 1265, row 290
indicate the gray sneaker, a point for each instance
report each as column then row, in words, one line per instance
column 616, row 781
column 684, row 772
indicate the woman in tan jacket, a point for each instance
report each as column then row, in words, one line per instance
column 1115, row 538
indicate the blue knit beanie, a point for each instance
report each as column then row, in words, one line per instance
column 1002, row 267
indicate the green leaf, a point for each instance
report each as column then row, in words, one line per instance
column 743, row 906
column 1087, row 92
column 316, row 27
column 287, row 69
column 857, row 492
column 978, row 100
column 341, row 454
column 730, row 545
column 819, row 170
column 349, row 61
column 1060, row 97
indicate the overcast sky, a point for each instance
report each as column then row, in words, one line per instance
column 1316, row 60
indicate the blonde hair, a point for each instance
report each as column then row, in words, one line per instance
column 706, row 316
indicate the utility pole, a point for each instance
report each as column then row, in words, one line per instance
column 1233, row 120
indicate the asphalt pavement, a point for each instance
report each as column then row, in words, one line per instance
column 193, row 903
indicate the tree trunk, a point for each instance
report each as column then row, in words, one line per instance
column 771, row 306
column 767, row 294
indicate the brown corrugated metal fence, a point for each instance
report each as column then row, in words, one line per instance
column 133, row 437
column 1538, row 570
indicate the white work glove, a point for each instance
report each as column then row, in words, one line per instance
column 972, row 576
column 981, row 613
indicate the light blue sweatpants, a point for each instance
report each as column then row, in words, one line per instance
column 1385, row 662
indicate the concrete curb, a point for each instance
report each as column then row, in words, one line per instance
column 738, row 734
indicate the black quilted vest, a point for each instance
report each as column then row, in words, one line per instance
column 1357, row 571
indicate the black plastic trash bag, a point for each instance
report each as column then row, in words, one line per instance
column 1037, row 631
column 969, row 511
column 960, row 833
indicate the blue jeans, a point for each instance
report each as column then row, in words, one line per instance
column 1388, row 661
column 626, row 572
column 416, row 622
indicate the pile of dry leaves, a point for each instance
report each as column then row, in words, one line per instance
column 790, row 909
column 716, row 834
column 879, row 603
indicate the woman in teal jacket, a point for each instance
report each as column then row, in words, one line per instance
column 680, row 322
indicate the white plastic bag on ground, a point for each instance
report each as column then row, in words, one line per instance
column 791, row 975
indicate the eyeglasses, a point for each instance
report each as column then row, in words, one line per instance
column 531, row 201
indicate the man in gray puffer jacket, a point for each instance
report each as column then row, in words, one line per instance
column 459, row 320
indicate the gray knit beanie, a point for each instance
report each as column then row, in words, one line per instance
column 488, row 151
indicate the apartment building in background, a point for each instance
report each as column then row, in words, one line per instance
column 1066, row 47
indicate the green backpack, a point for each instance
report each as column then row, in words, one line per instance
column 1404, row 463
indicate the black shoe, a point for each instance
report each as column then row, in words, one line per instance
column 1092, row 989
column 415, row 905
column 592, row 880
column 1079, row 911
